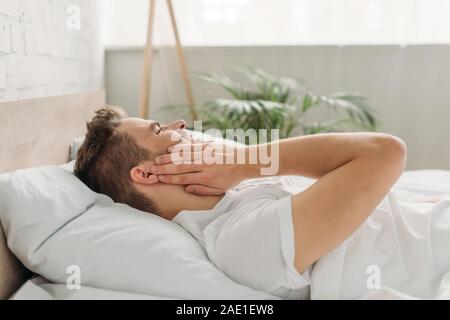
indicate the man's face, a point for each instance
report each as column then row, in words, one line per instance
column 153, row 136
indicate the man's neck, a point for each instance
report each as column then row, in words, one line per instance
column 171, row 199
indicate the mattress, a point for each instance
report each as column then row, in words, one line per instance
column 39, row 288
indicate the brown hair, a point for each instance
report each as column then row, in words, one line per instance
column 106, row 157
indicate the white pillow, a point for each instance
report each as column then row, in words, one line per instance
column 53, row 221
column 75, row 145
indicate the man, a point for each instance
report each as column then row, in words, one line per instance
column 260, row 235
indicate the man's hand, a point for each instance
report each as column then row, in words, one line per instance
column 204, row 168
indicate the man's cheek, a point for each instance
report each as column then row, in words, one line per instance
column 168, row 142
column 175, row 138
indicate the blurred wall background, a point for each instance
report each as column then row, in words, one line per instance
column 406, row 84
column 44, row 53
column 394, row 52
column 397, row 53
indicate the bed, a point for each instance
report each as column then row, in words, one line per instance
column 39, row 132
column 33, row 133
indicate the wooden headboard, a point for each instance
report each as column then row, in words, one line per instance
column 34, row 133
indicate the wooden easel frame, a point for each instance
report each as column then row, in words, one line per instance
column 148, row 63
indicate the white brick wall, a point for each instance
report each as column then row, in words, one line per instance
column 40, row 56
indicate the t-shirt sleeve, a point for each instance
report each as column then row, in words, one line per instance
column 256, row 247
column 288, row 244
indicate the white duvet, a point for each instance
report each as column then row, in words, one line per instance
column 402, row 251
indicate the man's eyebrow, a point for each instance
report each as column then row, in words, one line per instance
column 153, row 125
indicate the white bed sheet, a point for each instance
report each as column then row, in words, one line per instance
column 406, row 239
column 419, row 189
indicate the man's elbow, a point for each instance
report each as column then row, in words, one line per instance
column 390, row 149
column 394, row 147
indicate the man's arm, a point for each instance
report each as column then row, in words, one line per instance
column 342, row 198
column 310, row 156
column 354, row 172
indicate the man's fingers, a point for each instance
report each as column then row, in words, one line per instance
column 174, row 168
column 163, row 159
column 188, row 147
column 201, row 141
column 202, row 190
column 182, row 179
column 178, row 158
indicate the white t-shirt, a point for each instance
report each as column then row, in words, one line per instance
column 249, row 236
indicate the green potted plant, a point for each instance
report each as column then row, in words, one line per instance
column 270, row 102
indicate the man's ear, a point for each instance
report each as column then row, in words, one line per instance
column 141, row 174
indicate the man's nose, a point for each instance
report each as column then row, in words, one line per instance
column 177, row 125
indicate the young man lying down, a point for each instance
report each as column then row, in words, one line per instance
column 258, row 234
